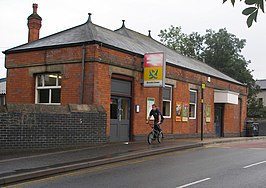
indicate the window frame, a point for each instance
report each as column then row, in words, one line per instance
column 43, row 87
column 166, row 100
column 195, row 104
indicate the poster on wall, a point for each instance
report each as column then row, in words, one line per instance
column 154, row 69
column 208, row 113
column 150, row 102
column 185, row 112
column 178, row 111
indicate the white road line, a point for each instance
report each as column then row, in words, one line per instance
column 193, row 183
column 248, row 166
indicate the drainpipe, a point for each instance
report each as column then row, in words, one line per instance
column 82, row 74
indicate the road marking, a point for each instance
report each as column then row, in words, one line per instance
column 193, row 183
column 96, row 169
column 85, row 171
column 251, row 165
column 217, row 146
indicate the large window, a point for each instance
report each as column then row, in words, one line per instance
column 167, row 101
column 48, row 89
column 193, row 104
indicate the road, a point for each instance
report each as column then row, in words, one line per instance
column 232, row 165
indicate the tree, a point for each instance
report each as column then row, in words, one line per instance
column 190, row 45
column 251, row 11
column 221, row 50
column 256, row 109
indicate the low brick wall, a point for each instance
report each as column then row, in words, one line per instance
column 49, row 127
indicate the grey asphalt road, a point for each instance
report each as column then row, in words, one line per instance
column 233, row 165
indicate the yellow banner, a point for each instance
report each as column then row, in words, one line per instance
column 153, row 73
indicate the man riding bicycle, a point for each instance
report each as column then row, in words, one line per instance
column 158, row 117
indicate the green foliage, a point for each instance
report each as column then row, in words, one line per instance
column 190, row 45
column 221, row 50
column 251, row 12
column 256, row 108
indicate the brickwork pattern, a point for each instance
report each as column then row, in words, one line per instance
column 44, row 130
column 97, row 79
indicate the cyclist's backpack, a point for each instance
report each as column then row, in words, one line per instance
column 162, row 118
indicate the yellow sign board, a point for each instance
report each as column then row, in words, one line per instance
column 154, row 70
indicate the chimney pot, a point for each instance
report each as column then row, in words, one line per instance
column 35, row 7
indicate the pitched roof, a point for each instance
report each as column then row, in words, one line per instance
column 124, row 39
column 261, row 83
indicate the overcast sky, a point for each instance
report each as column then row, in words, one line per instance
column 141, row 16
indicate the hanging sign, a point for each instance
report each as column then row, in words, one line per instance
column 154, row 70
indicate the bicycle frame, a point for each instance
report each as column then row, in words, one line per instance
column 154, row 134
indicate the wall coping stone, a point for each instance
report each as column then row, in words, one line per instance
column 51, row 109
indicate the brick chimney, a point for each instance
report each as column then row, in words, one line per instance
column 34, row 24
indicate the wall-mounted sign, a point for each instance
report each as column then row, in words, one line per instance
column 208, row 113
column 150, row 102
column 185, row 112
column 178, row 111
column 154, row 70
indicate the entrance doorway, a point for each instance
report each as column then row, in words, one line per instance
column 120, row 119
column 218, row 120
column 120, row 105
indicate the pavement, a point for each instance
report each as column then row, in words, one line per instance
column 22, row 166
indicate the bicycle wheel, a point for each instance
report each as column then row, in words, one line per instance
column 160, row 137
column 150, row 138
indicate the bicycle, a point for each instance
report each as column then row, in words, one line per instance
column 154, row 134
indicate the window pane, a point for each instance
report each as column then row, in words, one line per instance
column 192, row 97
column 192, row 110
column 39, row 80
column 166, row 108
column 50, row 79
column 59, row 80
column 113, row 108
column 43, row 96
column 167, row 93
column 56, row 95
column 125, row 106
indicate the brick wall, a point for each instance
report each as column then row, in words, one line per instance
column 43, row 127
column 97, row 79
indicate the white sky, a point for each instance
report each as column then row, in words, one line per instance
column 141, row 16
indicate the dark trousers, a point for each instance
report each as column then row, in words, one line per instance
column 157, row 127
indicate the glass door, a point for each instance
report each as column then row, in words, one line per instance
column 120, row 119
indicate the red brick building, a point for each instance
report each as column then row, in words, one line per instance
column 89, row 64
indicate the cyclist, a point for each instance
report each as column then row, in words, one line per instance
column 158, row 117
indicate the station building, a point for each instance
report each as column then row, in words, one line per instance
column 2, row 91
column 262, row 94
column 92, row 65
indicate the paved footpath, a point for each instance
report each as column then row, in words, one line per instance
column 23, row 166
